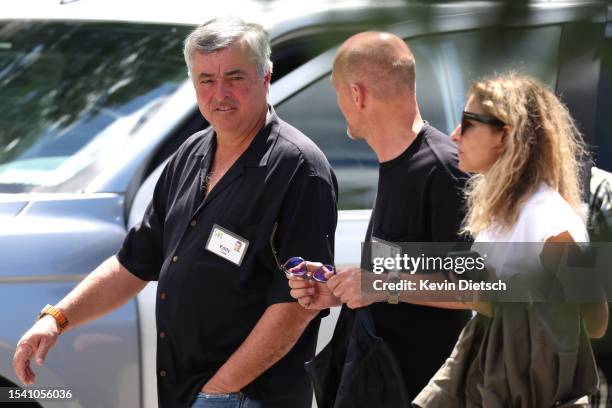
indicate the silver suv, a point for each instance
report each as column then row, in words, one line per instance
column 94, row 99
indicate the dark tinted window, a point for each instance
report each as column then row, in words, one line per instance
column 448, row 63
column 603, row 139
column 71, row 94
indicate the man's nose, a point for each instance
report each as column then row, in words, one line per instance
column 456, row 135
column 222, row 90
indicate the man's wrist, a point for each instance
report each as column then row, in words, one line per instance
column 50, row 320
column 58, row 316
column 212, row 388
column 374, row 296
column 393, row 295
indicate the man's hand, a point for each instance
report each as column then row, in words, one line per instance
column 312, row 294
column 109, row 286
column 36, row 342
column 346, row 285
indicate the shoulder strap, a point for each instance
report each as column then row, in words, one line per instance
column 365, row 318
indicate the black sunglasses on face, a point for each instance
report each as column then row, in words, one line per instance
column 486, row 119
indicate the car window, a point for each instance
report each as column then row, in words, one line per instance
column 602, row 150
column 72, row 93
column 445, row 64
column 453, row 61
column 314, row 112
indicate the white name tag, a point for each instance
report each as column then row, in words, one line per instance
column 227, row 245
column 384, row 249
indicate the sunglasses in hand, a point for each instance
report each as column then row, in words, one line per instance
column 294, row 261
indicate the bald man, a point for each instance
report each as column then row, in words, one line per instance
column 419, row 199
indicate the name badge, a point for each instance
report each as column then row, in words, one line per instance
column 384, row 249
column 227, row 245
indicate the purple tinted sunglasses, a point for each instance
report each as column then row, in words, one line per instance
column 302, row 272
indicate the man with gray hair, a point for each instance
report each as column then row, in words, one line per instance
column 230, row 199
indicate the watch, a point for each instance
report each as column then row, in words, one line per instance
column 57, row 314
column 393, row 295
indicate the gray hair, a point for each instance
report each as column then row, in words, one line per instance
column 223, row 32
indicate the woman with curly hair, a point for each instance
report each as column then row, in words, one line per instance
column 525, row 152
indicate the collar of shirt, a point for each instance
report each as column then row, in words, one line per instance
column 256, row 155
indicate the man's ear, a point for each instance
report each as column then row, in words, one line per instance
column 358, row 94
column 268, row 78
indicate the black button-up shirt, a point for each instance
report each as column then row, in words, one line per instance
column 207, row 305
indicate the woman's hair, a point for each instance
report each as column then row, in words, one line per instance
column 541, row 145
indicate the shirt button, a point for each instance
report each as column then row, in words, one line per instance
column 162, row 373
column 162, row 296
column 174, row 258
column 162, row 334
column 193, row 223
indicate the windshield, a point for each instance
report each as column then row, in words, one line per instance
column 72, row 93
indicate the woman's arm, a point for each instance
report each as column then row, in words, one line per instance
column 594, row 314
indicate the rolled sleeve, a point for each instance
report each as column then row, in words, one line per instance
column 308, row 215
column 141, row 252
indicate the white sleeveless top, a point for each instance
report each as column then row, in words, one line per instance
column 544, row 215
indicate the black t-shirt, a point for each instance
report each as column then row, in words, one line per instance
column 419, row 199
column 206, row 305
